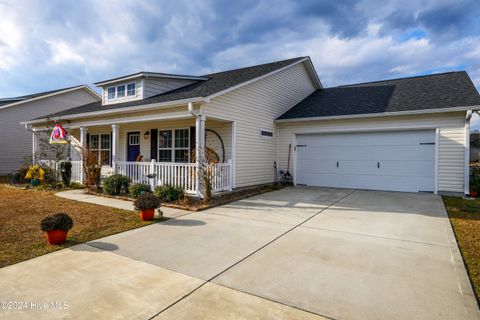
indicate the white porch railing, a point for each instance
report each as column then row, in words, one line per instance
column 54, row 165
column 175, row 174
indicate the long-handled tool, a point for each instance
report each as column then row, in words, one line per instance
column 287, row 175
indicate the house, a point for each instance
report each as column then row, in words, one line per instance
column 405, row 134
column 16, row 143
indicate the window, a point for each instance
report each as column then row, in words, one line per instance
column 134, row 139
column 111, row 93
column 131, row 89
column 174, row 145
column 121, row 91
column 182, row 145
column 266, row 133
column 100, row 144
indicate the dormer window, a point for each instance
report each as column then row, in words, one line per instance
column 131, row 89
column 122, row 91
column 111, row 93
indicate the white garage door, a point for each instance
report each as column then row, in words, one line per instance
column 394, row 160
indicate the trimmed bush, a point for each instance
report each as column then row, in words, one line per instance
column 58, row 221
column 66, row 171
column 146, row 201
column 139, row 189
column 475, row 183
column 116, row 185
column 169, row 193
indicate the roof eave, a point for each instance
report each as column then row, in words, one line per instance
column 380, row 114
column 84, row 87
column 137, row 108
column 145, row 75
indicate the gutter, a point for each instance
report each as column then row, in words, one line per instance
column 146, row 107
column 381, row 114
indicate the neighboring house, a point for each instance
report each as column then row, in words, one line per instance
column 16, row 143
column 402, row 135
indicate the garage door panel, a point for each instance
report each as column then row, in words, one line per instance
column 402, row 168
column 384, row 138
column 337, row 153
column 377, row 160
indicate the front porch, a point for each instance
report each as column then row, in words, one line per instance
column 159, row 152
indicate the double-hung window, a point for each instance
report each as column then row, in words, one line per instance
column 111, row 93
column 131, row 89
column 100, row 145
column 174, row 145
column 121, row 91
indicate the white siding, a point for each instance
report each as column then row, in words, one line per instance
column 254, row 107
column 451, row 148
column 158, row 86
column 16, row 142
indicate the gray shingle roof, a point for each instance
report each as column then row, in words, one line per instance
column 444, row 90
column 31, row 96
column 216, row 82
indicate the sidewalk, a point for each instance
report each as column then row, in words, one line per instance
column 79, row 195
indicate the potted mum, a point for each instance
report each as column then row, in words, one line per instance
column 56, row 226
column 146, row 204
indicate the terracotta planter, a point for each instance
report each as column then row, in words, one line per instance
column 55, row 237
column 147, row 215
column 474, row 194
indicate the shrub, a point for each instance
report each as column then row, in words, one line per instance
column 139, row 189
column 116, row 185
column 66, row 172
column 76, row 185
column 58, row 221
column 169, row 193
column 475, row 183
column 146, row 201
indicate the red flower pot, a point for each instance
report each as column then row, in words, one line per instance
column 474, row 194
column 147, row 215
column 56, row 237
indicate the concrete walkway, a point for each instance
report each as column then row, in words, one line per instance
column 290, row 254
column 79, row 195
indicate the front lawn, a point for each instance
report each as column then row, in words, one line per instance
column 465, row 218
column 22, row 210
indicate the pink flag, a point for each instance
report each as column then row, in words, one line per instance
column 59, row 134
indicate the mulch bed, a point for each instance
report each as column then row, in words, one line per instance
column 22, row 210
column 464, row 216
column 191, row 203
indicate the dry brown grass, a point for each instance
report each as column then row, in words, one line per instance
column 22, row 210
column 465, row 218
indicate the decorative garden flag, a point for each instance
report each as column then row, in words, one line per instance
column 59, row 134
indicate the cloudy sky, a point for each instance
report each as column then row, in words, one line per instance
column 50, row 44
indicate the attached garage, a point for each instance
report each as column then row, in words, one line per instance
column 385, row 160
column 407, row 134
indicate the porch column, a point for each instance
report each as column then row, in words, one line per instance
column 34, row 146
column 115, row 137
column 200, row 154
column 83, row 143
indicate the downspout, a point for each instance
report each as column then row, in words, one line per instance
column 199, row 149
column 467, row 152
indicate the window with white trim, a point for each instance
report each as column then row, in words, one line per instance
column 174, row 145
column 111, row 93
column 100, row 145
column 122, row 91
column 131, row 89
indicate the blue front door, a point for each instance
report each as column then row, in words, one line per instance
column 133, row 145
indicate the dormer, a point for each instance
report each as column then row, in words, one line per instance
column 142, row 85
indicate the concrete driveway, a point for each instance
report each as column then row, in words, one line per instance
column 290, row 254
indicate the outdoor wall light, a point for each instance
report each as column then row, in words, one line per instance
column 146, row 135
